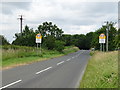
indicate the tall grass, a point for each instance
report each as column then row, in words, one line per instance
column 12, row 51
column 70, row 49
column 102, row 71
column 17, row 55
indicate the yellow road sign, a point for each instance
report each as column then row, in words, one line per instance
column 39, row 36
column 102, row 36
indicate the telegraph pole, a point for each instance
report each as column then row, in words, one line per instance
column 107, row 29
column 21, row 19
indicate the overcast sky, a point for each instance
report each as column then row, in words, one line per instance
column 73, row 16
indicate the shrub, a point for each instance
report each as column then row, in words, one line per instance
column 59, row 45
column 3, row 40
column 49, row 42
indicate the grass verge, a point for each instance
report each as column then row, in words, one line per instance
column 12, row 58
column 101, row 71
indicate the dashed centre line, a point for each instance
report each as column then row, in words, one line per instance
column 68, row 60
column 60, row 62
column 72, row 57
column 44, row 70
column 10, row 84
column 39, row 72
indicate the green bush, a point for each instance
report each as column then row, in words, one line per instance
column 3, row 40
column 59, row 45
column 50, row 42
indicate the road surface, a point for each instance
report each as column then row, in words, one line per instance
column 61, row 72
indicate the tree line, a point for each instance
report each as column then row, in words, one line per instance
column 53, row 37
column 91, row 39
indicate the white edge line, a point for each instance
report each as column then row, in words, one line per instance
column 10, row 84
column 43, row 70
column 82, row 73
column 60, row 62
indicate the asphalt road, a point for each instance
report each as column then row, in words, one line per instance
column 61, row 72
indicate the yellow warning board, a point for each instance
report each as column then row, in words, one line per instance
column 39, row 36
column 102, row 36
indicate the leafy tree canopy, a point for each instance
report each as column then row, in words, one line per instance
column 3, row 40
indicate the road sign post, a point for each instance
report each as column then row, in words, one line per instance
column 102, row 41
column 100, row 46
column 37, row 48
column 38, row 40
column 40, row 48
column 103, row 47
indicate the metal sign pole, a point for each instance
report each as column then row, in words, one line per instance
column 37, row 48
column 100, row 46
column 40, row 49
column 103, row 47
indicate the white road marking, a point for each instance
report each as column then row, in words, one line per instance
column 68, row 60
column 76, row 56
column 60, row 62
column 72, row 57
column 10, row 84
column 44, row 70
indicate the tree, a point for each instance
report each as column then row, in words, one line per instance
column 49, row 42
column 47, row 29
column 3, row 40
column 67, row 38
column 50, row 33
column 81, row 43
column 59, row 45
column 112, row 34
column 27, row 38
column 53, row 37
column 89, row 38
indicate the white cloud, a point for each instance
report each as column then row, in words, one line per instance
column 81, row 29
column 73, row 16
